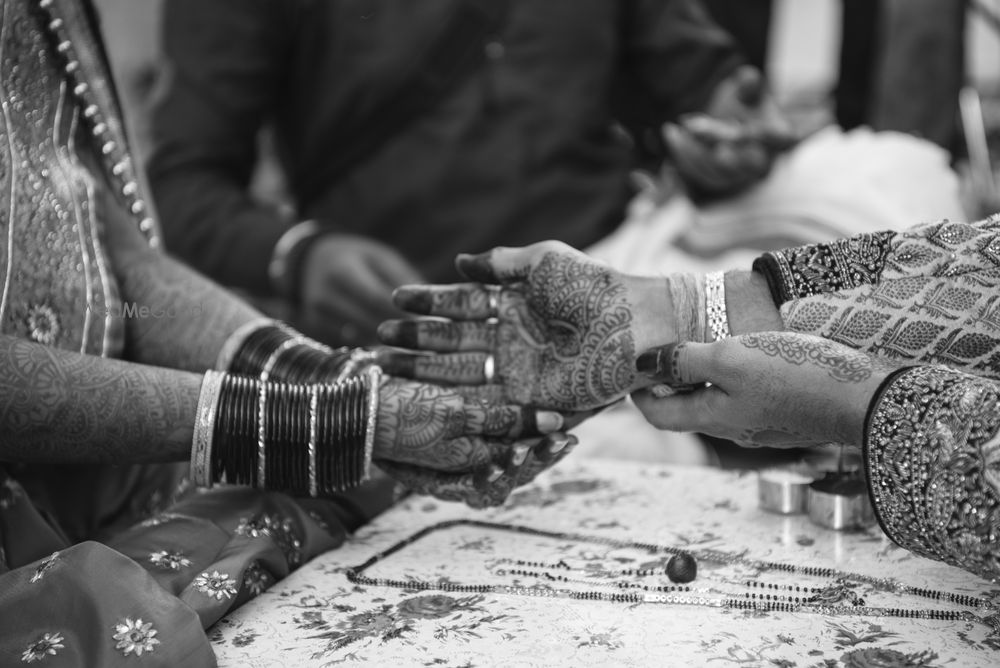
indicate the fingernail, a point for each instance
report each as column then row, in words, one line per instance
column 476, row 267
column 495, row 473
column 548, row 421
column 401, row 333
column 398, row 364
column 648, row 363
column 520, row 454
column 414, row 299
column 558, row 445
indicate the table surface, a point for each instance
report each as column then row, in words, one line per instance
column 316, row 617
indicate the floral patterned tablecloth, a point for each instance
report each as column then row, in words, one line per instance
column 316, row 617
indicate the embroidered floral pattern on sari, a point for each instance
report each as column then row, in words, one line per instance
column 135, row 637
column 216, row 585
column 171, row 561
column 281, row 531
column 44, row 567
column 48, row 645
column 933, row 464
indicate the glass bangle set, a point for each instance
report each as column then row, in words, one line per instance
column 314, row 435
column 289, row 416
column 837, row 596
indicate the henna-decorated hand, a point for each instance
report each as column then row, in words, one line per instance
column 445, row 429
column 486, row 488
column 554, row 328
column 777, row 389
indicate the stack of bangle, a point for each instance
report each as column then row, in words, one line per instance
column 298, row 438
column 274, row 351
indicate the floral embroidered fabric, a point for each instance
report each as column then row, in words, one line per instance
column 932, row 454
column 926, row 295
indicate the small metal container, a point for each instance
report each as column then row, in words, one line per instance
column 784, row 490
column 840, row 501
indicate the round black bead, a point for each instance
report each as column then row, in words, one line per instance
column 682, row 568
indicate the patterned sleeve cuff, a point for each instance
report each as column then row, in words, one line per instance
column 932, row 454
column 814, row 269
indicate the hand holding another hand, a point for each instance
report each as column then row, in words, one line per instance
column 460, row 443
column 548, row 326
column 776, row 389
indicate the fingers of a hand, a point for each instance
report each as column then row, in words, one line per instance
column 554, row 447
column 507, row 265
column 681, row 412
column 460, row 301
column 681, row 365
column 439, row 335
column 453, row 368
column 510, row 421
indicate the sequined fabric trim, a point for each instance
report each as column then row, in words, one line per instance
column 817, row 268
column 932, row 452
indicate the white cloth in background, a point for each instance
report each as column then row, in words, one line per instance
column 833, row 185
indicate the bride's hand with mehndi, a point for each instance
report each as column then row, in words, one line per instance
column 546, row 325
column 453, row 430
column 775, row 389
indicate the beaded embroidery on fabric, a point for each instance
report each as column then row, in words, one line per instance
column 839, row 265
column 56, row 285
column 932, row 452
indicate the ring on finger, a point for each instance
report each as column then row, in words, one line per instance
column 489, row 368
column 493, row 300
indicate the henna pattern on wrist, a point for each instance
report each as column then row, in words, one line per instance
column 841, row 364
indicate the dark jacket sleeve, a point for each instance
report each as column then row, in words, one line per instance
column 223, row 67
column 932, row 456
column 676, row 54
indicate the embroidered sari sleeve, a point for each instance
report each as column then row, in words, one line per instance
column 927, row 295
column 932, row 455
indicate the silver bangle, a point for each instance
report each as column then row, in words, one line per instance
column 358, row 360
column 313, row 430
column 715, row 305
column 277, row 268
column 374, row 385
column 204, row 429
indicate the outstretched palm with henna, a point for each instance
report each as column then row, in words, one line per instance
column 557, row 333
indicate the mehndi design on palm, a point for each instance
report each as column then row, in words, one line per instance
column 556, row 334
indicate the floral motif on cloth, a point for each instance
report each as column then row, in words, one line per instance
column 47, row 645
column 932, row 452
column 46, row 564
column 216, row 585
column 171, row 561
column 927, row 295
column 135, row 637
column 281, row 531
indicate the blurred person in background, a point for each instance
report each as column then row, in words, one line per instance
column 408, row 132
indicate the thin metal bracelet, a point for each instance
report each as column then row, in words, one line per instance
column 204, row 429
column 715, row 305
column 359, row 359
column 371, row 423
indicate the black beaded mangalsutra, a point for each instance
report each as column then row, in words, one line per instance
column 837, row 598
